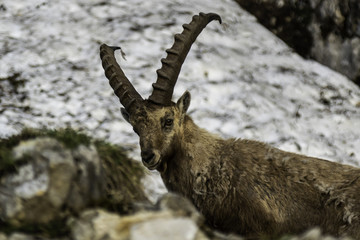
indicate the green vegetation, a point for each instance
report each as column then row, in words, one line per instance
column 123, row 178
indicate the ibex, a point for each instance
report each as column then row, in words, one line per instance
column 241, row 186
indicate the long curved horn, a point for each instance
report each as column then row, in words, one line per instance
column 171, row 65
column 125, row 91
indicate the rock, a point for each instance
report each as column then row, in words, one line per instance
column 315, row 234
column 50, row 180
column 20, row 236
column 312, row 234
column 90, row 180
column 99, row 224
column 181, row 206
column 173, row 217
column 327, row 31
column 163, row 228
column 47, row 176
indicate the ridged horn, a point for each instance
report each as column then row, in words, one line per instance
column 121, row 85
column 171, row 65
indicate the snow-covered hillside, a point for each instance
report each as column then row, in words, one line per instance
column 245, row 82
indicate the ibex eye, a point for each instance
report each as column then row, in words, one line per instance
column 168, row 122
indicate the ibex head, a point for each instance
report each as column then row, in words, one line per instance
column 157, row 120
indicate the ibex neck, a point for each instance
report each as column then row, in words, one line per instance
column 193, row 154
column 197, row 140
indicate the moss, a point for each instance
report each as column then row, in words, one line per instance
column 69, row 137
column 123, row 178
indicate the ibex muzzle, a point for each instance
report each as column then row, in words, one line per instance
column 240, row 186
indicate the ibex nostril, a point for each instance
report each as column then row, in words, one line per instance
column 147, row 156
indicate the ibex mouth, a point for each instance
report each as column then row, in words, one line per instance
column 152, row 166
column 151, row 160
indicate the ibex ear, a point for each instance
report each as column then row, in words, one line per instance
column 184, row 102
column 125, row 114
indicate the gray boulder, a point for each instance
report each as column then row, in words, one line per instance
column 173, row 217
column 50, row 181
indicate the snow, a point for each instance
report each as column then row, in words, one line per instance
column 245, row 82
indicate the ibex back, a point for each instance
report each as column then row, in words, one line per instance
column 240, row 186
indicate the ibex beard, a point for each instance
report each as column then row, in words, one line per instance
column 240, row 186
